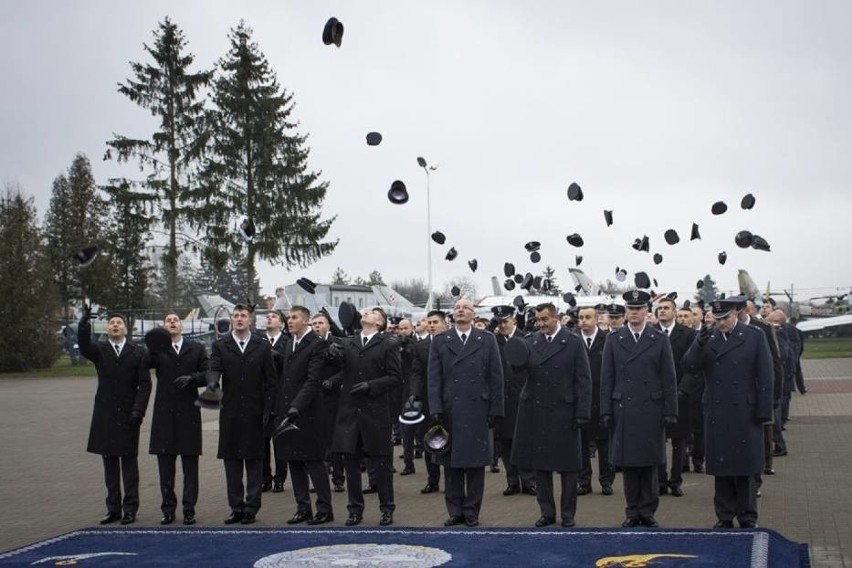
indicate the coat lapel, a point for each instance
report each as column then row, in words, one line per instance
column 303, row 343
column 471, row 346
column 555, row 346
column 735, row 339
column 649, row 336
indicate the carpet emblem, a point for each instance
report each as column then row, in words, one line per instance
column 635, row 560
column 74, row 559
column 373, row 555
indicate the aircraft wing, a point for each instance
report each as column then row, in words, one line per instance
column 817, row 324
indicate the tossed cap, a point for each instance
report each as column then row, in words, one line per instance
column 759, row 243
column 509, row 284
column 641, row 280
column 569, row 299
column 398, row 194
column 608, row 217
column 694, row 234
column 575, row 193
column 439, row 237
column 87, row 255
column 518, row 277
column 527, row 282
column 723, row 257
column 307, row 285
column 473, row 264
column 658, row 258
column 509, row 269
column 451, row 254
column 374, row 138
column 332, row 33
column 455, row 291
column 718, row 208
column 575, row 240
column 747, row 201
column 744, row 239
column 246, row 229
column 620, row 274
column 671, row 237
column 532, row 246
column 578, row 259
column 535, row 257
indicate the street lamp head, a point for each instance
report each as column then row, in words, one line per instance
column 433, row 167
column 421, row 162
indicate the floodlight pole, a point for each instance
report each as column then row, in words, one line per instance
column 422, row 163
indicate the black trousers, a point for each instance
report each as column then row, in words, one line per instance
column 678, row 457
column 244, row 499
column 697, row 417
column 335, row 466
column 384, row 483
column 410, row 434
column 515, row 477
column 777, row 433
column 606, row 473
column 116, row 469
column 735, row 497
column 433, row 470
column 280, row 474
column 300, row 471
column 166, row 464
column 568, row 497
column 641, row 491
column 464, row 490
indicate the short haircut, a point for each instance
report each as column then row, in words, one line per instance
column 243, row 308
column 302, row 310
column 583, row 308
column 384, row 323
column 170, row 313
column 321, row 315
column 669, row 300
column 438, row 314
column 546, row 307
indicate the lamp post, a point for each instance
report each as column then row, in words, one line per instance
column 428, row 168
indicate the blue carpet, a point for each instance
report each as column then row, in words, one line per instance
column 410, row 548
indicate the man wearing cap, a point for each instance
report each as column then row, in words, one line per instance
column 124, row 387
column 638, row 401
column 176, row 422
column 680, row 338
column 593, row 340
column 555, row 405
column 517, row 480
column 737, row 366
column 466, row 398
column 616, row 316
column 278, row 340
column 243, row 363
column 331, row 377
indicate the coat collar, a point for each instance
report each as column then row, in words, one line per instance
column 463, row 350
column 625, row 339
column 721, row 346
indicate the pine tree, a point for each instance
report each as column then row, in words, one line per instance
column 340, row 278
column 258, row 168
column 708, row 292
column 549, row 273
column 172, row 94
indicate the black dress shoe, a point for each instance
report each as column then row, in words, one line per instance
column 429, row 489
column 418, row 454
column 248, row 518
column 338, row 487
column 321, row 519
column 568, row 523
column 278, row 487
column 453, row 521
column 724, row 525
column 189, row 518
column 300, row 517
column 370, row 489
column 354, row 519
column 664, row 489
column 606, row 490
column 234, row 517
column 779, row 453
column 650, row 522
column 128, row 519
column 407, row 471
column 630, row 522
column 748, row 524
column 387, row 519
column 511, row 490
column 495, row 469
column 544, row 521
column 584, row 490
column 529, row 490
column 267, row 485
column 676, row 491
column 472, row 521
column 168, row 518
column 768, row 471
column 698, row 467
column 110, row 518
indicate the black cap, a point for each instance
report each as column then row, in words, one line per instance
column 578, row 259
column 509, row 269
column 718, row 208
column 700, row 284
column 672, row 295
column 537, row 283
column 394, row 320
column 439, row 237
column 158, row 340
column 518, row 278
column 374, row 139
column 509, row 284
column 600, row 308
column 246, row 229
column 658, row 258
column 503, row 312
column 451, row 254
column 473, row 264
column 616, row 310
column 723, row 257
column 575, row 193
column 517, row 352
column 747, row 202
column 636, row 298
column 569, row 299
column 642, row 244
column 759, row 243
column 332, row 33
column 518, row 302
column 307, row 285
column 535, row 257
column 620, row 274
column 744, row 239
column 686, row 304
column 455, row 291
column 641, row 280
column 575, row 240
column 532, row 246
column 694, row 235
column 87, row 255
column 546, row 284
column 348, row 315
column 608, row 217
column 397, row 194
column 672, row 237
column 527, row 282
column 721, row 308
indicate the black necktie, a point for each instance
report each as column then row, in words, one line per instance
column 295, row 344
column 117, row 348
column 464, row 338
column 242, row 345
column 724, row 336
column 589, row 343
column 636, row 336
column 549, row 339
column 272, row 341
column 365, row 340
column 177, row 348
column 666, row 330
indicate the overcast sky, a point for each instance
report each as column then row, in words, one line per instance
column 657, row 109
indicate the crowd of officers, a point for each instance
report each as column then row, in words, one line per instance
column 644, row 387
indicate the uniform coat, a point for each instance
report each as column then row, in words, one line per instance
column 419, row 380
column 680, row 339
column 594, row 430
column 737, row 398
column 299, row 387
column 367, row 415
column 176, row 421
column 248, row 389
column 466, row 386
column 638, row 388
column 514, row 380
column 558, row 390
column 124, row 385
column 332, row 372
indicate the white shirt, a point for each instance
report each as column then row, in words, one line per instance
column 634, row 332
column 466, row 333
column 238, row 340
column 586, row 338
column 550, row 337
column 367, row 337
column 667, row 330
column 273, row 339
column 118, row 346
column 178, row 345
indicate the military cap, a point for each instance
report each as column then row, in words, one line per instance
column 636, row 299
column 503, row 312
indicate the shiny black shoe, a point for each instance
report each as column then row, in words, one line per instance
column 472, row 521
column 234, row 517
column 407, row 470
column 267, row 485
column 429, row 489
column 768, row 471
column 387, row 519
column 748, row 524
column 189, row 518
column 354, row 519
column 511, row 490
column 128, row 519
column 779, row 453
column 630, row 522
column 371, row 489
column 528, row 490
column 649, row 522
column 248, row 518
column 664, row 489
column 338, row 487
column 495, row 469
column 300, row 517
column 698, row 467
column 278, row 487
column 676, row 491
column 606, row 489
column 321, row 519
column 584, row 490
column 110, row 518
column 724, row 525
column 544, row 522
column 453, row 521
column 168, row 518
column 568, row 523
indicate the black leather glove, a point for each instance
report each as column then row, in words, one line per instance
column 293, row 414
column 606, row 421
column 669, row 421
column 268, row 418
column 704, row 335
column 327, row 385
column 335, row 351
column 412, row 399
column 360, row 388
column 494, row 421
column 135, row 418
column 183, row 381
column 437, row 418
column 580, row 422
column 87, row 313
column 212, row 380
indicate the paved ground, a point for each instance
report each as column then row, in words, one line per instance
column 49, row 484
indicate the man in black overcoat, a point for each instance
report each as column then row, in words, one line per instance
column 243, row 363
column 331, row 378
column 124, row 387
column 176, row 421
column 277, row 335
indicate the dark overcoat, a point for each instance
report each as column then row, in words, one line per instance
column 680, row 339
column 176, row 420
column 594, row 430
column 367, row 415
column 124, row 385
column 248, row 389
column 514, row 379
column 737, row 398
column 638, row 388
column 466, row 386
column 419, row 380
column 332, row 371
column 299, row 387
column 558, row 390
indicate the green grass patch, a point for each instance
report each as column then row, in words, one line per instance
column 62, row 368
column 827, row 348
